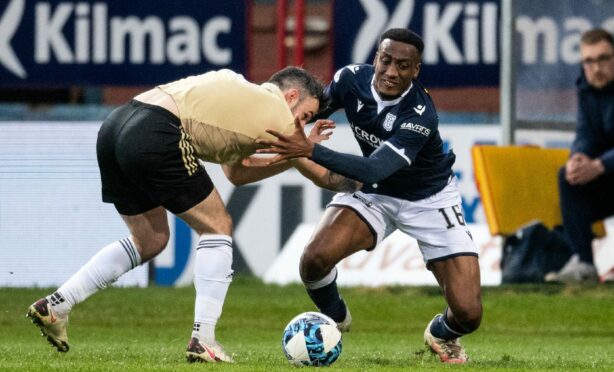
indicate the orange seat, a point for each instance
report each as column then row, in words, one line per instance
column 518, row 185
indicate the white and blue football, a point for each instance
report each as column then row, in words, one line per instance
column 311, row 339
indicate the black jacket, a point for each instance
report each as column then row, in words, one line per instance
column 595, row 128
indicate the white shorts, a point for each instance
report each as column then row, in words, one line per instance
column 436, row 222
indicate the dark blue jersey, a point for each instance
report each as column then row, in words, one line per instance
column 403, row 154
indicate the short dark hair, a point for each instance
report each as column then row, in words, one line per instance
column 597, row 35
column 301, row 79
column 403, row 35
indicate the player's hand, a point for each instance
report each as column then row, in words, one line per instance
column 290, row 146
column 321, row 131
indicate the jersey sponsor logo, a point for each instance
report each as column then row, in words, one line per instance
column 416, row 128
column 419, row 109
column 389, row 121
column 359, row 105
column 364, row 136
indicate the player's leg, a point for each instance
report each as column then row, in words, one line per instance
column 160, row 156
column 349, row 225
column 459, row 278
column 438, row 224
column 145, row 219
column 149, row 235
column 212, row 275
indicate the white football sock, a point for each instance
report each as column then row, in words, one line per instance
column 101, row 270
column 212, row 276
column 326, row 280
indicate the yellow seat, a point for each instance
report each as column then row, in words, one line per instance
column 518, row 185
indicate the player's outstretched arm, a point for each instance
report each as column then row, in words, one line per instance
column 319, row 175
column 323, row 177
column 383, row 162
column 252, row 169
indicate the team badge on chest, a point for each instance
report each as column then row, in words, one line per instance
column 389, row 121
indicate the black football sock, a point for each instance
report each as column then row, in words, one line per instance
column 328, row 300
column 442, row 329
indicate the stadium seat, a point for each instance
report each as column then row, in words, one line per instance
column 518, row 185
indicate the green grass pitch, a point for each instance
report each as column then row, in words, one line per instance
column 552, row 327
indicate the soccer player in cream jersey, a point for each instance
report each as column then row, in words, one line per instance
column 148, row 152
column 408, row 185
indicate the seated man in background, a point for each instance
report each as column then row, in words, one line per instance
column 586, row 182
column 148, row 153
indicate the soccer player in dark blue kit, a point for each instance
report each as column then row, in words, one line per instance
column 408, row 185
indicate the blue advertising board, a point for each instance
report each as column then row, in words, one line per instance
column 461, row 37
column 462, row 42
column 136, row 42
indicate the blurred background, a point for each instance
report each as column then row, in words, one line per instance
column 500, row 72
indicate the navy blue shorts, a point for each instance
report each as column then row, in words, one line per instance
column 146, row 160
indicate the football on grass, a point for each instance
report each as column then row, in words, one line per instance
column 311, row 339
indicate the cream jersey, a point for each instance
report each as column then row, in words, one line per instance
column 223, row 114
